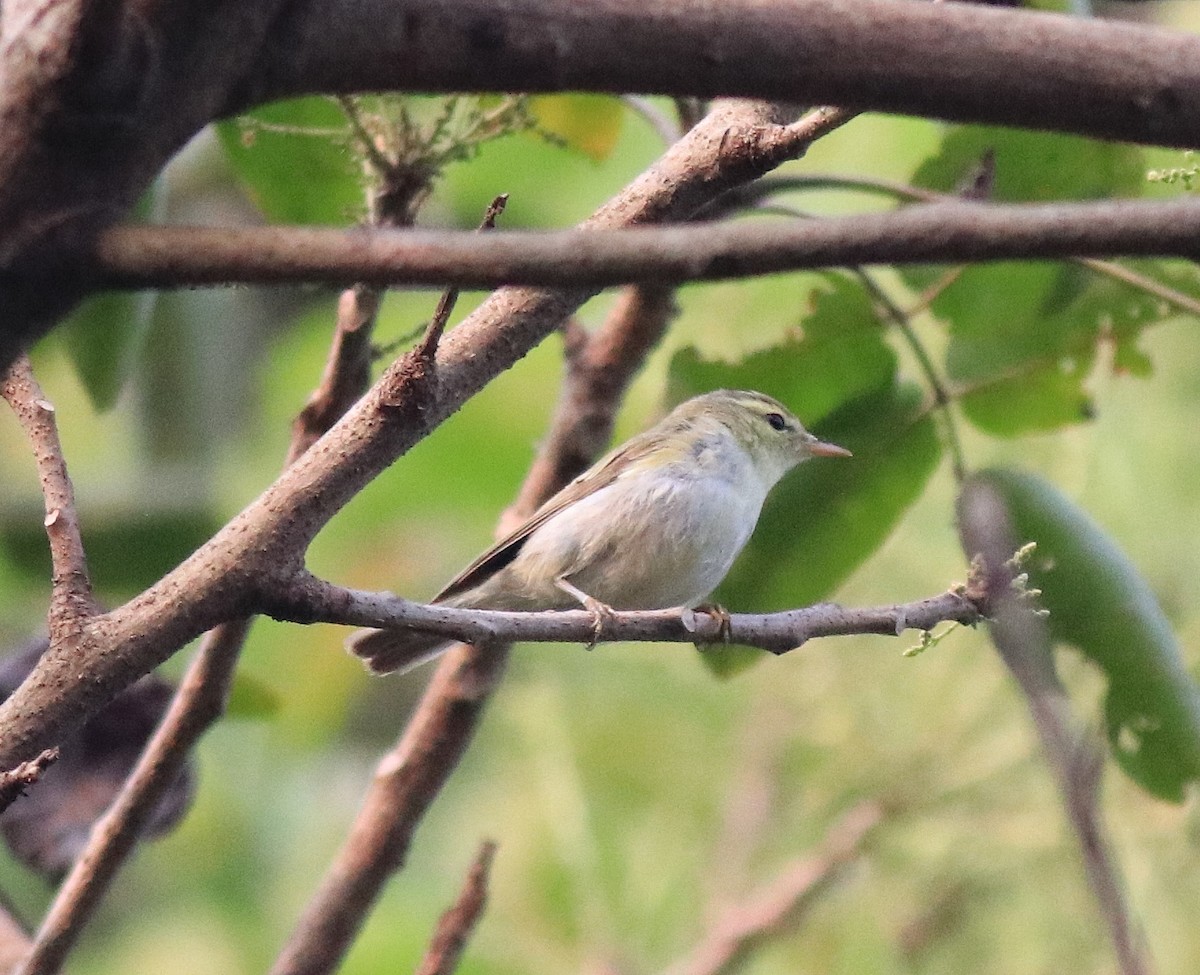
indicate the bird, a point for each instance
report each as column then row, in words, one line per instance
column 656, row 523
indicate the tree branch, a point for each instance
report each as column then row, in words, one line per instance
column 71, row 601
column 167, row 257
column 780, row 904
column 312, row 600
column 456, row 925
column 146, row 79
column 951, row 61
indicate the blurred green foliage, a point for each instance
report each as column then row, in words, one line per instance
column 632, row 794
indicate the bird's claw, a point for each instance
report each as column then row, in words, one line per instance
column 721, row 615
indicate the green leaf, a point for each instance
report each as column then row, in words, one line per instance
column 1024, row 336
column 251, row 698
column 1043, row 398
column 588, row 123
column 1100, row 604
column 840, row 354
column 293, row 161
column 104, row 336
column 1032, row 166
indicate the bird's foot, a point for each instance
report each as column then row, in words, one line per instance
column 602, row 613
column 721, row 615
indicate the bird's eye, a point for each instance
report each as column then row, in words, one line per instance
column 776, row 421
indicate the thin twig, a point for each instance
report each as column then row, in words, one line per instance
column 174, row 257
column 14, row 781
column 1074, row 760
column 780, row 904
column 71, row 601
column 916, row 194
column 314, row 600
column 441, row 315
column 665, row 127
column 942, row 397
column 455, row 926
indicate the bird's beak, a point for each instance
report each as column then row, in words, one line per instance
column 819, row 448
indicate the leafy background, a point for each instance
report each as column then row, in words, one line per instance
column 632, row 792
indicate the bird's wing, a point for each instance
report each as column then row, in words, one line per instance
column 600, row 475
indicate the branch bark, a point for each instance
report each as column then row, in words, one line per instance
column 71, row 600
column 455, row 926
column 314, row 601
column 143, row 257
column 101, row 98
column 952, row 61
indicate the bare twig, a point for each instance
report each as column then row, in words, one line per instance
column 316, row 601
column 347, row 369
column 780, row 904
column 172, row 257
column 1075, row 761
column 71, row 601
column 441, row 315
column 455, row 926
column 942, row 398
column 14, row 782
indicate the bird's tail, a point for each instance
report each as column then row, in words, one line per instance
column 392, row 651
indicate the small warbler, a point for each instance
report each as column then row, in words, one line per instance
column 656, row 523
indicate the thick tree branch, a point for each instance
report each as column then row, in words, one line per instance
column 951, row 61
column 779, row 633
column 71, row 601
column 142, row 257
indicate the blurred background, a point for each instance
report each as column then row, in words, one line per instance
column 632, row 793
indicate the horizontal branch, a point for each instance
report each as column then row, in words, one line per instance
column 164, row 257
column 319, row 602
column 951, row 61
